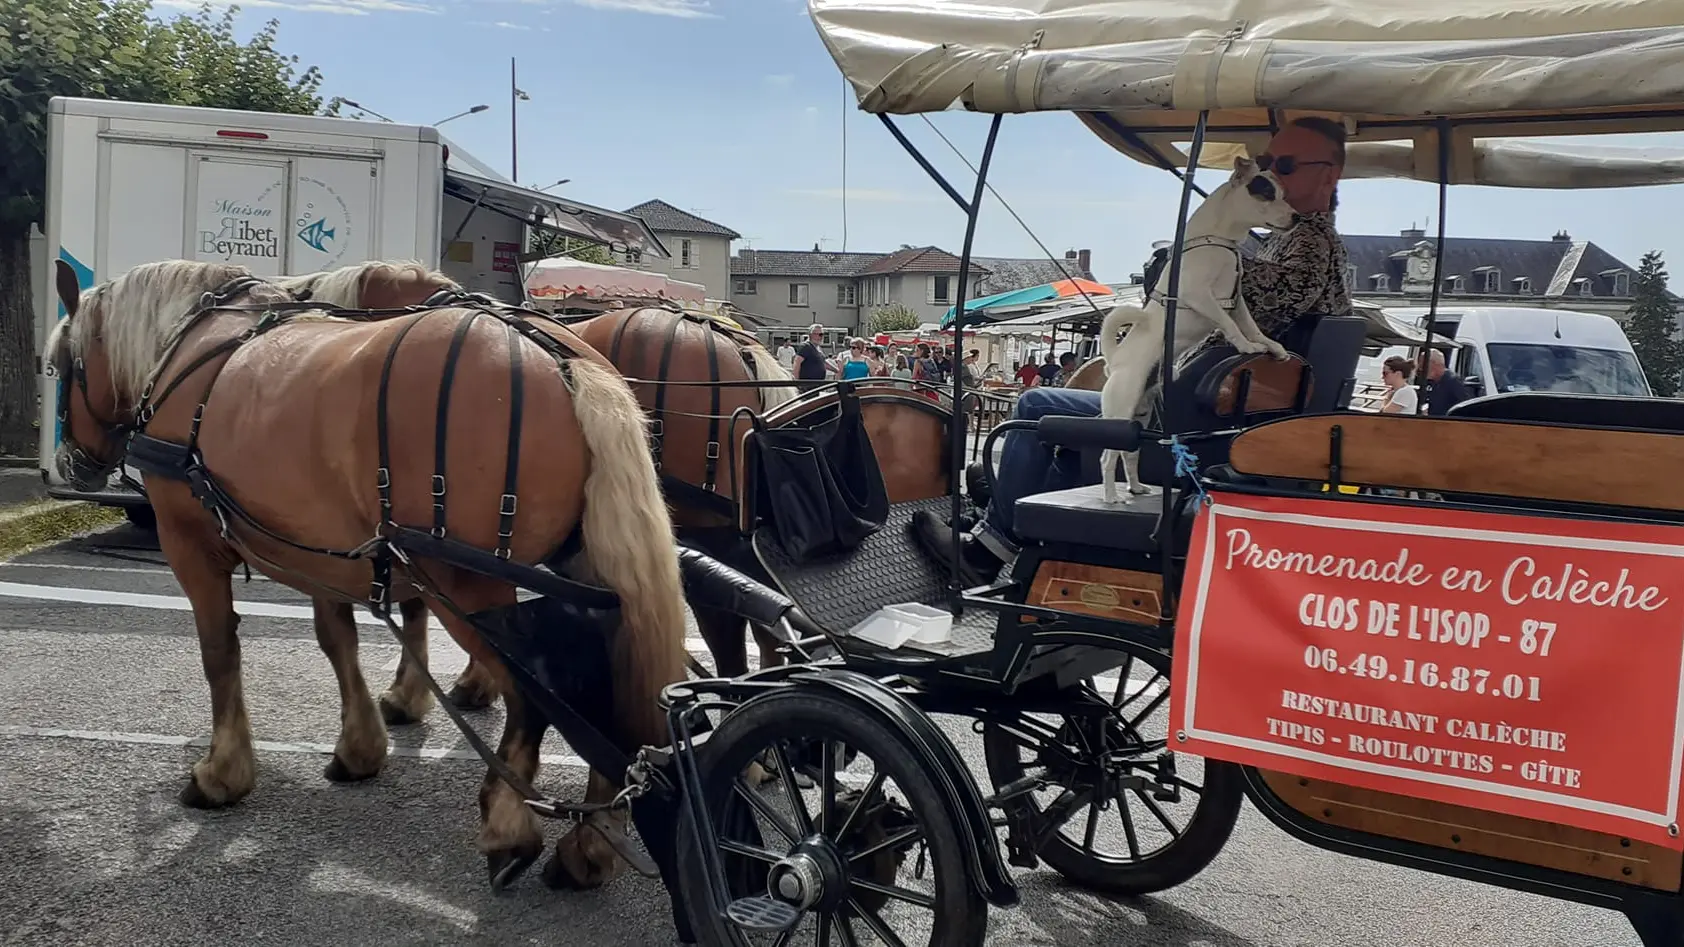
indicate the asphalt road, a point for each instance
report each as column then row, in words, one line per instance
column 101, row 694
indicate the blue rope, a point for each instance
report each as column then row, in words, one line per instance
column 1187, row 467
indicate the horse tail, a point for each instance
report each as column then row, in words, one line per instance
column 629, row 546
column 1112, row 327
column 766, row 368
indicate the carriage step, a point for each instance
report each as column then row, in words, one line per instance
column 762, row 914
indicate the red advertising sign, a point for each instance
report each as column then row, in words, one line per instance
column 505, row 257
column 1520, row 664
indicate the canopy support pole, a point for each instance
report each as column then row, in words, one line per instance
column 936, row 176
column 1166, row 368
column 1438, row 266
column 958, row 430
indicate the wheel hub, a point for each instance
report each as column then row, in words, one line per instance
column 814, row 875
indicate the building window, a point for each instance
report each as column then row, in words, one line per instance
column 1351, row 278
column 847, row 294
column 1382, row 282
column 1455, row 284
column 1493, row 282
column 745, row 287
column 1585, row 289
column 687, row 253
column 634, row 256
column 1523, row 285
column 1622, row 283
column 941, row 289
column 798, row 294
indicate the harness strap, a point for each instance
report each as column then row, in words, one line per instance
column 511, row 474
column 658, row 424
column 446, row 384
column 713, row 414
column 1210, row 240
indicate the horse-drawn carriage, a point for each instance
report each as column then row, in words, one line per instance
column 1385, row 676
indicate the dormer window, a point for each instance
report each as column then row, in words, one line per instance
column 1456, row 284
column 1585, row 287
column 1523, row 285
column 1619, row 282
column 1490, row 280
column 1351, row 277
column 1382, row 282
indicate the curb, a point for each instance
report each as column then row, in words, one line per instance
column 29, row 526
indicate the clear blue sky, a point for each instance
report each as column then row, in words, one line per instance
column 733, row 110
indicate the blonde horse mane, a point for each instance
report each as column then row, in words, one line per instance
column 342, row 287
column 136, row 316
column 767, row 368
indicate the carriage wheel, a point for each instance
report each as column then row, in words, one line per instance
column 870, row 852
column 1107, row 790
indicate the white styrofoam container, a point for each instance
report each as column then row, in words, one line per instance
column 894, row 625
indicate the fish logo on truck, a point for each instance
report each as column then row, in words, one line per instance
column 323, row 222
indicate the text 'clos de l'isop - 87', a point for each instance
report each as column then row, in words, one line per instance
column 1478, row 659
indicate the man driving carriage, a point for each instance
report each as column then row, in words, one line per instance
column 1290, row 284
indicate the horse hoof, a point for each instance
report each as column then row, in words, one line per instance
column 394, row 715
column 505, row 867
column 338, row 771
column 193, row 797
column 558, row 878
column 467, row 699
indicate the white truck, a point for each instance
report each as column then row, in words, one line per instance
column 1518, row 348
column 129, row 183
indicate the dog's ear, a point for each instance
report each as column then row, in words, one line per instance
column 1243, row 168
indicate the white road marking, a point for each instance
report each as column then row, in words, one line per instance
column 262, row 746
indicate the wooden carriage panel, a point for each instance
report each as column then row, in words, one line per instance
column 1463, row 455
column 1493, row 834
column 1101, row 591
column 1274, row 385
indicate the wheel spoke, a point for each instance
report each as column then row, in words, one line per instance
column 1093, row 825
column 872, row 788
column 895, row 842
column 1159, row 812
column 792, row 792
column 1129, row 833
column 821, row 932
column 765, row 810
column 784, row 938
column 748, row 851
column 1156, row 677
column 1158, row 701
column 845, row 930
column 899, row 894
column 827, row 789
column 1123, row 675
column 876, row 924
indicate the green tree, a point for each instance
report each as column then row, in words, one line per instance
column 106, row 49
column 551, row 244
column 894, row 317
column 1652, row 326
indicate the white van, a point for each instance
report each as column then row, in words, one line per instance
column 1510, row 348
column 130, row 183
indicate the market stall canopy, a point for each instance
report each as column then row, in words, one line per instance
column 1059, row 289
column 473, row 182
column 1389, row 68
column 560, row 277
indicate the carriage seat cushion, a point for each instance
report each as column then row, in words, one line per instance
column 1551, row 407
column 1273, row 385
column 1081, row 517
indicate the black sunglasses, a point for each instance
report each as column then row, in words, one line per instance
column 1285, row 164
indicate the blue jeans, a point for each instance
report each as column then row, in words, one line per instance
column 1028, row 467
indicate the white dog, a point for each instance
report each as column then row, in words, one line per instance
column 1209, row 298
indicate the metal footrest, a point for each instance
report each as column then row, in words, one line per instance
column 762, row 914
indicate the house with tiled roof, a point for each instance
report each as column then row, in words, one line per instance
column 700, row 250
column 801, row 287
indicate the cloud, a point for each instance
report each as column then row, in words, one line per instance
column 780, row 79
column 684, row 9
column 506, row 25
column 863, row 194
column 341, row 7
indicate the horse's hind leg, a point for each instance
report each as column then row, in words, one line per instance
column 408, row 699
column 476, row 688
column 361, row 750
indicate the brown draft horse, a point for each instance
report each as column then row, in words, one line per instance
column 288, row 426
column 654, row 344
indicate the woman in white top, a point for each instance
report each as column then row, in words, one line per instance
column 1401, row 397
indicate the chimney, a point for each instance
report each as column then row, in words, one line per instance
column 1561, row 237
column 1084, row 262
column 815, row 248
column 1070, row 255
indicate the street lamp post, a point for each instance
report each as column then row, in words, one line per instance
column 363, row 108
column 515, row 97
column 473, row 111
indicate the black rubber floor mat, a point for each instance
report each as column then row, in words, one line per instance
column 888, row 568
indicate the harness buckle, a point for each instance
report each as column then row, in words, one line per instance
column 656, row 428
column 713, row 450
column 377, row 593
column 382, row 478
column 507, row 507
column 438, row 489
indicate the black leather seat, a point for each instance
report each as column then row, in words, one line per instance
column 1551, row 407
column 1081, row 516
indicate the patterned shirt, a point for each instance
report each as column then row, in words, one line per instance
column 1299, row 272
